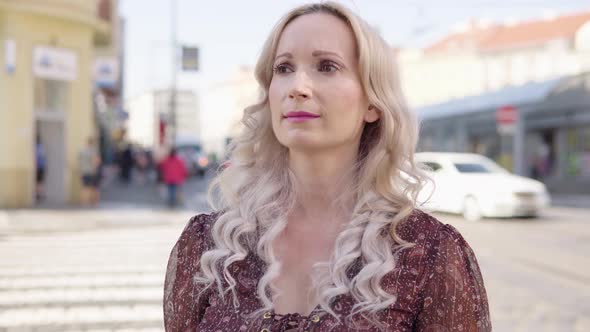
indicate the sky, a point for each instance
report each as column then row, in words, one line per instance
column 231, row 33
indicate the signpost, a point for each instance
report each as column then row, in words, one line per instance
column 190, row 62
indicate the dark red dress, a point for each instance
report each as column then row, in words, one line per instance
column 438, row 285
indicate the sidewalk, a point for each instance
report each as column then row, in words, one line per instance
column 42, row 220
column 122, row 205
column 567, row 200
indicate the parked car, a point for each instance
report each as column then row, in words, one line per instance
column 195, row 159
column 477, row 187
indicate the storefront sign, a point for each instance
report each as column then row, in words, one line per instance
column 106, row 72
column 55, row 63
column 9, row 56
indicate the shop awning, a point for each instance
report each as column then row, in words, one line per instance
column 516, row 96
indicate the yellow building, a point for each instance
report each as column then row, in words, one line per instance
column 47, row 52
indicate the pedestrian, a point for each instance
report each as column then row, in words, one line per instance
column 126, row 163
column 141, row 162
column 90, row 164
column 174, row 174
column 41, row 164
column 317, row 226
column 160, row 154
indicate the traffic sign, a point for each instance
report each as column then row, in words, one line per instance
column 506, row 117
column 190, row 58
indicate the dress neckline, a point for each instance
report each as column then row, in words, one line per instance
column 297, row 315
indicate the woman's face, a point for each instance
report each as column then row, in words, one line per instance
column 316, row 97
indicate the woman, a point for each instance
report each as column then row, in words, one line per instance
column 317, row 229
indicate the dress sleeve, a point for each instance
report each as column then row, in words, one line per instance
column 454, row 297
column 183, row 307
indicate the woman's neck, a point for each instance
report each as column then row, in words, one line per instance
column 325, row 183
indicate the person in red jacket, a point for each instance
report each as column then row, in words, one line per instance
column 174, row 174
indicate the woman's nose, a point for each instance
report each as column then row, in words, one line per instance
column 301, row 86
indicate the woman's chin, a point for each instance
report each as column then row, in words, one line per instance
column 302, row 143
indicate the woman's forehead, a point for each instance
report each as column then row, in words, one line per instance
column 317, row 32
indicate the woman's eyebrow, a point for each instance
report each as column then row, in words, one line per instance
column 286, row 55
column 320, row 53
column 315, row 53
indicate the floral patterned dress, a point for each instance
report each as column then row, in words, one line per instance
column 438, row 284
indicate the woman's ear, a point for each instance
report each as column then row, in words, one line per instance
column 372, row 114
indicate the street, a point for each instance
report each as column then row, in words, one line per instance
column 103, row 270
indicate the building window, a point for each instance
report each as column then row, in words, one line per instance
column 496, row 74
column 542, row 67
column 519, row 70
column 578, row 152
column 104, row 10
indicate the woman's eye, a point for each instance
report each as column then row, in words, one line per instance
column 282, row 68
column 328, row 67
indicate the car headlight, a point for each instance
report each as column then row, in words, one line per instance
column 525, row 195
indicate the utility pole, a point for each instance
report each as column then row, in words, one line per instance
column 172, row 119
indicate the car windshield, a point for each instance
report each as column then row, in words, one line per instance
column 474, row 168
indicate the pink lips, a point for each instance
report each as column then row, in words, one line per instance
column 300, row 116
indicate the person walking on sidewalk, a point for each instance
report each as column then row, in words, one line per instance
column 89, row 168
column 174, row 174
column 126, row 164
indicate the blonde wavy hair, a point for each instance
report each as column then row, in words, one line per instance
column 256, row 192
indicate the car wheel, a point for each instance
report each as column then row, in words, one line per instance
column 471, row 210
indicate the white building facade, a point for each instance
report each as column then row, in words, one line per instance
column 228, row 99
column 150, row 117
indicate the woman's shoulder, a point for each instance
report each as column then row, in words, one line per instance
column 201, row 221
column 423, row 229
column 197, row 232
column 444, row 275
column 435, row 245
column 182, row 304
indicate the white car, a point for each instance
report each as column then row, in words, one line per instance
column 477, row 187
